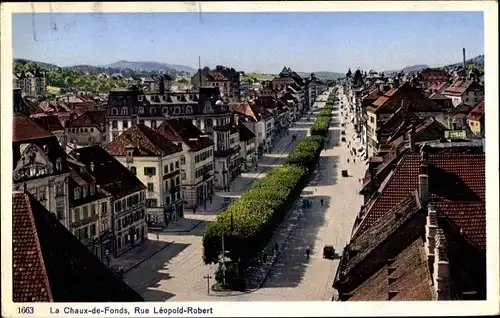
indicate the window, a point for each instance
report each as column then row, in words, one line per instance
column 59, row 189
column 150, row 171
column 177, row 180
column 104, row 208
column 183, row 176
column 85, row 211
column 124, row 111
column 114, row 111
column 164, row 110
column 91, row 130
column 151, row 203
column 125, row 124
column 135, row 199
column 114, row 124
column 165, row 169
column 171, row 166
column 129, row 201
column 153, row 124
column 76, row 193
column 140, row 110
column 118, row 206
column 183, row 160
column 151, row 187
column 93, row 209
column 85, row 191
column 76, row 215
column 152, row 110
column 177, row 165
column 60, row 212
column 133, row 170
column 93, row 230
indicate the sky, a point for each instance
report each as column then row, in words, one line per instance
column 252, row 42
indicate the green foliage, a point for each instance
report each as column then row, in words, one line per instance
column 253, row 216
column 306, row 151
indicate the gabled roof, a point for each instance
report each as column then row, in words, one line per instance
column 24, row 128
column 51, row 265
column 144, row 140
column 438, row 96
column 430, row 129
column 245, row 133
column 96, row 118
column 477, row 113
column 183, row 130
column 461, row 85
column 263, row 112
column 50, row 123
column 108, row 172
column 456, row 183
column 216, row 76
column 244, row 109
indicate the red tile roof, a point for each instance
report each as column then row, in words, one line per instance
column 477, row 113
column 216, row 76
column 50, row 123
column 243, row 109
column 29, row 277
column 461, row 86
column 25, row 128
column 96, row 118
column 183, row 130
column 51, row 265
column 456, row 183
column 144, row 140
column 411, row 278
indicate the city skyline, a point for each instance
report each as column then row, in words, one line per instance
column 245, row 41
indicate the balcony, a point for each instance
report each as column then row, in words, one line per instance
column 85, row 221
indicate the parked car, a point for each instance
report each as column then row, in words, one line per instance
column 343, row 139
column 328, row 252
column 345, row 173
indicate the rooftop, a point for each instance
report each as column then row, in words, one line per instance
column 51, row 265
column 25, row 128
column 183, row 130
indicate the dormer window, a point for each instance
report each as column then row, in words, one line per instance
column 164, row 110
column 140, row 110
column 114, row 111
column 77, row 193
column 85, row 191
column 152, row 110
column 124, row 111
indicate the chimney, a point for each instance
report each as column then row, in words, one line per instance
column 411, row 137
column 463, row 53
column 92, row 166
column 441, row 273
column 430, row 232
column 423, row 177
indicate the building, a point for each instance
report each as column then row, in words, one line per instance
column 22, row 105
column 226, row 79
column 235, row 161
column 412, row 240
column 87, row 129
column 90, row 211
column 40, row 166
column 50, row 265
column 197, row 161
column 433, row 77
column 404, row 97
column 244, row 114
column 464, row 91
column 156, row 161
column 248, row 149
column 31, row 83
column 128, row 196
column 475, row 119
column 52, row 124
column 158, row 84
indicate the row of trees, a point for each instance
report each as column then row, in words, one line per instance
column 322, row 123
column 249, row 223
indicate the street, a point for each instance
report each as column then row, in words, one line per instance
column 177, row 272
column 294, row 277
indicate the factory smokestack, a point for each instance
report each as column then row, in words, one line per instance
column 463, row 53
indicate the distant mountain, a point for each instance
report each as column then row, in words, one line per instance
column 477, row 61
column 408, row 69
column 150, row 66
column 323, row 75
column 46, row 66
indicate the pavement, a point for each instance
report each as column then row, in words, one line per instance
column 178, row 272
column 139, row 254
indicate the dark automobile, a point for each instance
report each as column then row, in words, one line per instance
column 343, row 132
column 345, row 173
column 343, row 139
column 328, row 252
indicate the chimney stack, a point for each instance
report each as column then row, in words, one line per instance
column 463, row 53
column 423, row 177
column 441, row 272
column 430, row 232
column 411, row 137
column 92, row 166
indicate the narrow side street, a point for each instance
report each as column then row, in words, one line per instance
column 177, row 272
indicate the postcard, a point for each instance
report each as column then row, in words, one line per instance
column 249, row 159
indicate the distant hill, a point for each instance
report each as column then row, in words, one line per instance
column 323, row 75
column 150, row 66
column 117, row 66
column 477, row 61
column 408, row 69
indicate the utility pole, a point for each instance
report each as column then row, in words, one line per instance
column 207, row 277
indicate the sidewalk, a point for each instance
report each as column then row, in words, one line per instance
column 139, row 254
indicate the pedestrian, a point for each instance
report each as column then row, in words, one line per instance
column 321, row 202
column 210, row 198
column 194, row 209
column 347, row 160
column 354, row 160
column 276, row 247
column 157, row 236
